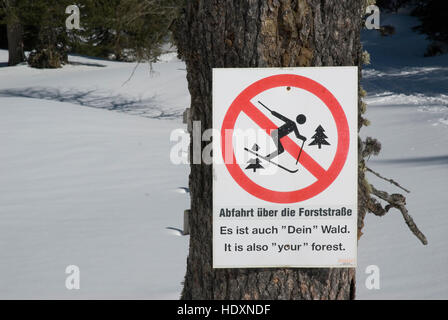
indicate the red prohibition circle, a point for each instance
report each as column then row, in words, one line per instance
column 325, row 178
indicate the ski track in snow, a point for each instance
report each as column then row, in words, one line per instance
column 91, row 187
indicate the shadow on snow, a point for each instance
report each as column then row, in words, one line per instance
column 93, row 98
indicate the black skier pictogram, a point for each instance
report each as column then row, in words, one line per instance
column 277, row 134
column 319, row 138
column 254, row 163
column 284, row 130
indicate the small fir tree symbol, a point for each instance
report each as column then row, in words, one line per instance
column 319, row 138
column 254, row 164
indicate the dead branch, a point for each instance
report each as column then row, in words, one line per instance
column 398, row 201
column 375, row 207
column 388, row 180
column 132, row 74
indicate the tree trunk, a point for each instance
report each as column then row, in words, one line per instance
column 15, row 38
column 255, row 33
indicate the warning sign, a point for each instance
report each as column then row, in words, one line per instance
column 285, row 167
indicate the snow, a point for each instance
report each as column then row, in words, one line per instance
column 90, row 187
column 161, row 93
column 86, row 179
column 408, row 108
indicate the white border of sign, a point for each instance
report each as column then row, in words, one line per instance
column 342, row 82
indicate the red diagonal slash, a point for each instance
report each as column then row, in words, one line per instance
column 293, row 149
column 324, row 177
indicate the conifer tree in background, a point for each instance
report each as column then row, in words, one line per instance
column 48, row 17
column 392, row 5
column 14, row 32
column 127, row 30
column 43, row 25
column 433, row 16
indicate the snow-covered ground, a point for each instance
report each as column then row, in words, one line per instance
column 85, row 176
column 91, row 187
column 408, row 108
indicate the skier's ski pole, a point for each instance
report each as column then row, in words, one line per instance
column 265, row 106
column 303, row 143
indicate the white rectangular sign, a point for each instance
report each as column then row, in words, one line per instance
column 285, row 167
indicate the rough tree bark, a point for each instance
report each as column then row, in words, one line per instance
column 15, row 36
column 260, row 33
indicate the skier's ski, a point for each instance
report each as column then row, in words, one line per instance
column 268, row 160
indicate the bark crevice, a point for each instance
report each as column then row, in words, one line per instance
column 259, row 33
